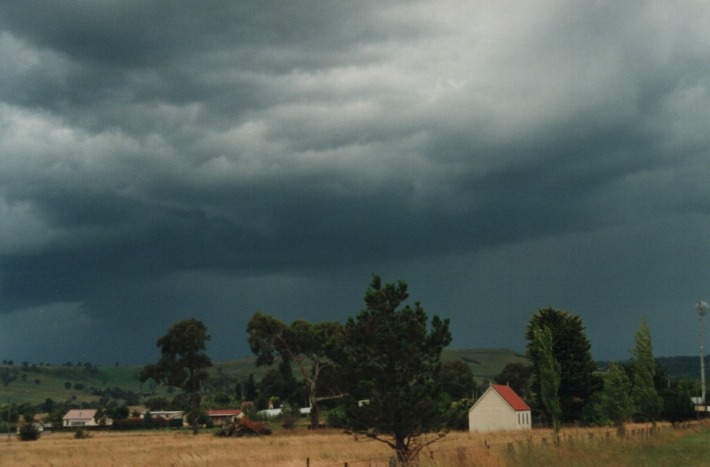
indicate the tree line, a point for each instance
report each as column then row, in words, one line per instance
column 380, row 373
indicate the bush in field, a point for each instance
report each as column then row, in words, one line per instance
column 289, row 415
column 457, row 414
column 81, row 434
column 29, row 432
column 337, row 418
column 160, row 422
column 148, row 420
column 176, row 423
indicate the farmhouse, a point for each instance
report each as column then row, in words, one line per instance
column 224, row 416
column 499, row 408
column 79, row 418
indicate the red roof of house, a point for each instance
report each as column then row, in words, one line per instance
column 511, row 397
column 223, row 412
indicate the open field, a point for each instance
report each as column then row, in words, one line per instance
column 682, row 447
column 578, row 447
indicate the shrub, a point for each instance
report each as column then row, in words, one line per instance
column 337, row 419
column 160, row 422
column 176, row 423
column 81, row 434
column 29, row 432
column 289, row 415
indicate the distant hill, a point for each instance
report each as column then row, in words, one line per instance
column 86, row 382
column 677, row 367
column 485, row 363
column 682, row 367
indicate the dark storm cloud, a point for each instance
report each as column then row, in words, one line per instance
column 168, row 159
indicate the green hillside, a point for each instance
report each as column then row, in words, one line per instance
column 84, row 383
column 484, row 363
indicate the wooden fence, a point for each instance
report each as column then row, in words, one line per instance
column 493, row 452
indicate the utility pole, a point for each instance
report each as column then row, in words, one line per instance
column 702, row 309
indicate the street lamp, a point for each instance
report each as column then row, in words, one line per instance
column 702, row 308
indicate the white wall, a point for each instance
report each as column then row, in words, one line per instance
column 492, row 413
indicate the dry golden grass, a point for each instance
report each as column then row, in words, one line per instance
column 322, row 448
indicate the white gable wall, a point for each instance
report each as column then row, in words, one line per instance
column 492, row 413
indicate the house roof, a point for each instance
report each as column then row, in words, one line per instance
column 514, row 400
column 80, row 414
column 223, row 412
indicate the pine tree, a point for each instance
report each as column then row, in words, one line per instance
column 392, row 359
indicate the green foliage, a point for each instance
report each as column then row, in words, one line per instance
column 517, row 376
column 222, row 400
column 337, row 418
column 8, row 375
column 250, row 388
column 549, row 375
column 125, row 424
column 158, row 403
column 302, row 343
column 80, row 433
column 120, row 412
column 648, row 402
column 201, row 419
column 572, row 350
column 29, row 432
column 457, row 380
column 457, row 414
column 677, row 406
column 183, row 362
column 289, row 415
column 148, row 421
column 615, row 399
column 392, row 361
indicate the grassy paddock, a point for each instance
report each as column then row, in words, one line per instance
column 641, row 447
column 577, row 447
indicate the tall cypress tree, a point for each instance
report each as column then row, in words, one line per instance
column 549, row 376
column 648, row 402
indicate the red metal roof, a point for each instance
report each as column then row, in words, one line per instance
column 511, row 397
column 223, row 412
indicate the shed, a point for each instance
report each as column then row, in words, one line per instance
column 498, row 409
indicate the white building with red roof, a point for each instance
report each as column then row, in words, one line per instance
column 498, row 409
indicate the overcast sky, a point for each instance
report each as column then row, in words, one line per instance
column 163, row 160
